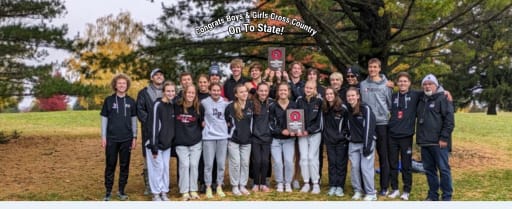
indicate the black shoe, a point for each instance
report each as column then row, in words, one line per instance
column 202, row 188
column 430, row 199
column 107, row 197
column 383, row 192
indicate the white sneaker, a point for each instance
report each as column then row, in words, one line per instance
column 370, row 197
column 305, row 188
column 394, row 194
column 163, row 197
column 280, row 187
column 339, row 192
column 156, row 197
column 357, row 196
column 405, row 196
column 316, row 189
column 331, row 191
column 236, row 191
column 296, row 184
column 288, row 187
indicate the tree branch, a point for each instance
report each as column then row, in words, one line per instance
column 404, row 20
column 436, row 28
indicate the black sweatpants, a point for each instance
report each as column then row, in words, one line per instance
column 113, row 150
column 260, row 158
column 382, row 150
column 402, row 147
column 337, row 157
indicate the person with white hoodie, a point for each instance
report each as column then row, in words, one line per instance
column 215, row 138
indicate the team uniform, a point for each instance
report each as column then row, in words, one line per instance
column 334, row 132
column 309, row 145
column 361, row 151
column 283, row 147
column 239, row 145
column 188, row 147
column 163, row 123
column 119, row 127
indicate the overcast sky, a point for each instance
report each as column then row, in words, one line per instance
column 81, row 12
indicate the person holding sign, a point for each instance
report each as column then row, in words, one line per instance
column 309, row 140
column 283, row 143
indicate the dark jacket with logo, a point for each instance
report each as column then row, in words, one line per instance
column 229, row 87
column 335, row 125
column 278, row 121
column 239, row 130
column 163, row 123
column 362, row 128
column 119, row 112
column 260, row 131
column 435, row 121
column 312, row 112
column 403, row 114
column 188, row 126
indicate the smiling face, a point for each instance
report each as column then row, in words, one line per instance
column 352, row 97
column 373, row 69
column 215, row 92
column 283, row 91
column 262, row 92
column 336, row 82
column 158, row 79
column 296, row 71
column 255, row 73
column 170, row 92
column 236, row 70
column 190, row 94
column 330, row 95
column 186, row 80
column 403, row 84
column 203, row 84
column 429, row 87
column 351, row 79
column 241, row 93
column 121, row 85
column 310, row 88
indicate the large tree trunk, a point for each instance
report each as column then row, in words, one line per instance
column 491, row 108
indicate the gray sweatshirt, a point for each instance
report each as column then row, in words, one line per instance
column 215, row 125
column 378, row 96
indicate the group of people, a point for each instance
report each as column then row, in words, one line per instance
column 244, row 122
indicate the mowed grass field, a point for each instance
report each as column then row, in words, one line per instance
column 59, row 157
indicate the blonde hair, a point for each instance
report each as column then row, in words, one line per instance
column 314, row 90
column 337, row 75
column 237, row 104
column 237, row 62
column 120, row 76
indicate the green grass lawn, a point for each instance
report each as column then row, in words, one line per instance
column 481, row 167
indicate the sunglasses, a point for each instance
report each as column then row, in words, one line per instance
column 351, row 76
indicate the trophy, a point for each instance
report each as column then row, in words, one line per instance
column 276, row 58
column 295, row 121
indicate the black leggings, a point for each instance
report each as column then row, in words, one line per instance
column 113, row 150
column 260, row 158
